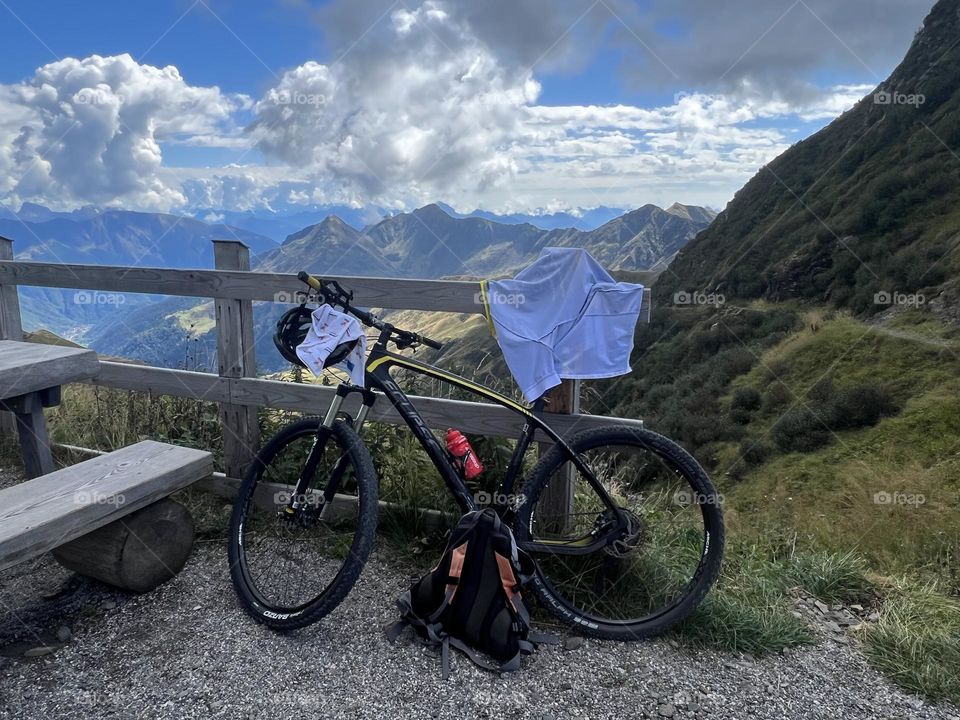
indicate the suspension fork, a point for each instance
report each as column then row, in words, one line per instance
column 324, row 431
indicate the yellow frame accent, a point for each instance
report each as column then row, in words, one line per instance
column 455, row 379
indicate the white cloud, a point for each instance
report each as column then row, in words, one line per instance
column 419, row 108
column 425, row 107
column 92, row 130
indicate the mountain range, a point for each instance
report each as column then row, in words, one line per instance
column 109, row 237
column 428, row 242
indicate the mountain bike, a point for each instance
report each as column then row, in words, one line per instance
column 624, row 525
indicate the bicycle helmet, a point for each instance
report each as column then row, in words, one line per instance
column 291, row 330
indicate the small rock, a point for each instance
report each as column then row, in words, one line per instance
column 666, row 710
column 109, row 604
column 822, row 607
column 856, row 608
column 797, row 615
column 833, row 627
column 771, row 690
column 573, row 642
column 63, row 633
column 40, row 651
column 873, row 617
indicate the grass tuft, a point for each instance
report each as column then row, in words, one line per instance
column 916, row 642
column 838, row 577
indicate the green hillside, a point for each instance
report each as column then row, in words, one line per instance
column 869, row 204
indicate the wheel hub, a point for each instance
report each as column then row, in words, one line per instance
column 630, row 539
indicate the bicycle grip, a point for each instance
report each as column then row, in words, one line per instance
column 310, row 280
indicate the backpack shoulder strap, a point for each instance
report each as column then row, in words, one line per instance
column 508, row 578
column 457, row 558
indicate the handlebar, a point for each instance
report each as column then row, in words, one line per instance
column 335, row 295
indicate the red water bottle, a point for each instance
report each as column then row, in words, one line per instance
column 461, row 450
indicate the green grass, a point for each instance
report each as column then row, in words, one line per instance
column 748, row 610
column 834, row 577
column 922, row 324
column 916, row 643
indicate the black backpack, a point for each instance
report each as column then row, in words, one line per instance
column 471, row 599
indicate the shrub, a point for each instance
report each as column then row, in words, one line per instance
column 777, row 396
column 822, row 391
column 747, row 398
column 755, row 452
column 860, row 406
column 800, row 430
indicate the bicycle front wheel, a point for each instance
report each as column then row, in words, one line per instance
column 294, row 556
column 632, row 564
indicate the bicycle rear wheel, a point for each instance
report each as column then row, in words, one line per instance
column 632, row 570
column 292, row 566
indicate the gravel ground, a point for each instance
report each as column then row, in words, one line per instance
column 187, row 650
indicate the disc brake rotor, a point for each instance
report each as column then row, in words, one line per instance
column 630, row 539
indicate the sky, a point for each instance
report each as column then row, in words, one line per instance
column 506, row 105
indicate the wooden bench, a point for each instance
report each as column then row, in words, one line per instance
column 30, row 378
column 107, row 517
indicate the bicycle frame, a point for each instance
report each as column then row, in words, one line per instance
column 377, row 376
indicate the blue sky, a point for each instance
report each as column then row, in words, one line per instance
column 521, row 105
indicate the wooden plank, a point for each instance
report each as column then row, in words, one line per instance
column 10, row 326
column 266, row 495
column 457, row 296
column 235, row 359
column 27, row 367
column 163, row 381
column 40, row 514
column 472, row 417
column 394, row 293
column 34, row 441
column 557, row 499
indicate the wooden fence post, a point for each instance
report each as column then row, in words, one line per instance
column 10, row 327
column 557, row 500
column 235, row 359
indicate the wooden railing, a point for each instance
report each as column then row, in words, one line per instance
column 234, row 287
